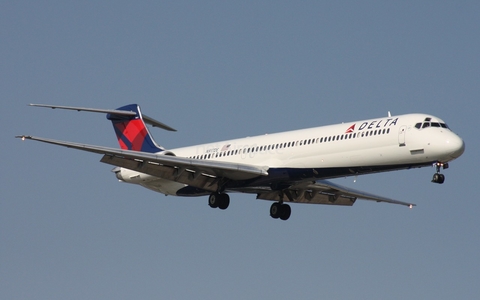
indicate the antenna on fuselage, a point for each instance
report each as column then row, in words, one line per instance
column 389, row 114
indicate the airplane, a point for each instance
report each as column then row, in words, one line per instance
column 285, row 167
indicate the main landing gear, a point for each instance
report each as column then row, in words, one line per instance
column 277, row 210
column 437, row 177
column 280, row 210
column 219, row 200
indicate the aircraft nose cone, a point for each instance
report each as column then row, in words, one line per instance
column 457, row 145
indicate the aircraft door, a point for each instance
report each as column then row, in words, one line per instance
column 401, row 136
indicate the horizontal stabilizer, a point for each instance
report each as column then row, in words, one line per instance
column 117, row 112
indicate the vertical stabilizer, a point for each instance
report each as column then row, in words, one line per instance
column 131, row 131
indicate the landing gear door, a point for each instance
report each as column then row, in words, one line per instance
column 401, row 136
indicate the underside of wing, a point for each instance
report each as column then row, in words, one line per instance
column 206, row 175
column 324, row 192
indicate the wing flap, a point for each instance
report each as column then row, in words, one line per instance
column 324, row 192
column 191, row 177
column 349, row 192
column 307, row 196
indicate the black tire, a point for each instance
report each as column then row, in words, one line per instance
column 224, row 201
column 275, row 210
column 441, row 178
column 286, row 212
column 438, row 178
column 213, row 200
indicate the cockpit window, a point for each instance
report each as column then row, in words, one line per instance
column 427, row 124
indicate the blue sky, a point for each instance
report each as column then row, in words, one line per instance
column 220, row 70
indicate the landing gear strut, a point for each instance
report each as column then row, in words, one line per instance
column 218, row 200
column 280, row 210
column 437, row 177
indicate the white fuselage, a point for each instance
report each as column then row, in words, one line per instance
column 360, row 147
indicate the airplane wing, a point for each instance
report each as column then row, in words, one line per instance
column 210, row 175
column 324, row 192
column 204, row 174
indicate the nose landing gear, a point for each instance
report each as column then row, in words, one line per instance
column 437, row 177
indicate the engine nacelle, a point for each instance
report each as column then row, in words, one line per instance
column 130, row 176
column 156, row 184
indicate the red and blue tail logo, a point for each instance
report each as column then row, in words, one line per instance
column 131, row 131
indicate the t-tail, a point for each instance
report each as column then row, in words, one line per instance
column 131, row 131
column 129, row 125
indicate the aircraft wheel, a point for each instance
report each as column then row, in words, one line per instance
column 438, row 178
column 286, row 212
column 224, row 201
column 275, row 210
column 441, row 179
column 213, row 200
